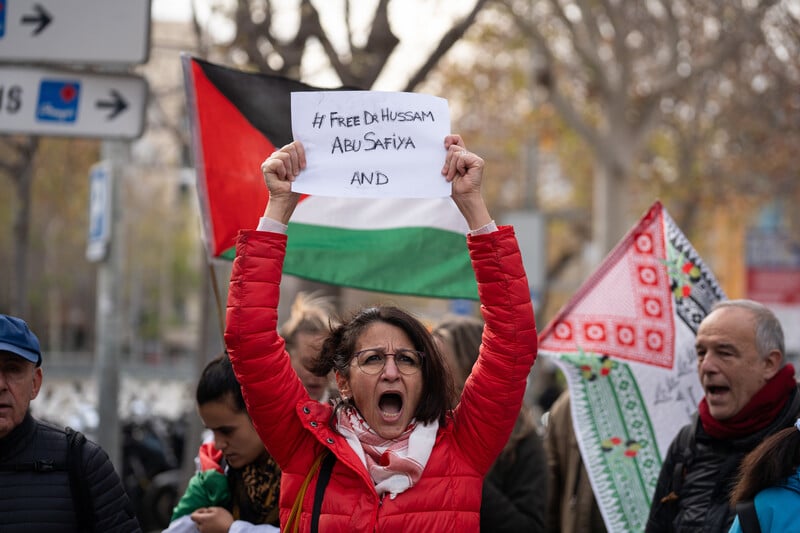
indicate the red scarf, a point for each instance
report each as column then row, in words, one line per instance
column 761, row 411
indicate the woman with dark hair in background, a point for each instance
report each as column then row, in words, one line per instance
column 769, row 478
column 236, row 488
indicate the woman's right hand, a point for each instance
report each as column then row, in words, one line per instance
column 280, row 169
column 212, row 519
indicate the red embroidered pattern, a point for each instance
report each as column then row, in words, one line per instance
column 626, row 309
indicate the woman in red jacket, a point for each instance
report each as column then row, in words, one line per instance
column 394, row 455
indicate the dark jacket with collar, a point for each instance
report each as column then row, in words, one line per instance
column 699, row 472
column 40, row 498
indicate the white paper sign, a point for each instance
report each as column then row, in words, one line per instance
column 371, row 144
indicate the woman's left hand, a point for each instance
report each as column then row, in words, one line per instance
column 464, row 170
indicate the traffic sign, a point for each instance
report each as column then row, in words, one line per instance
column 57, row 102
column 75, row 31
column 100, row 207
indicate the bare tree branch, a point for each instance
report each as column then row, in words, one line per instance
column 567, row 111
column 380, row 45
column 582, row 47
column 357, row 66
column 450, row 38
column 310, row 26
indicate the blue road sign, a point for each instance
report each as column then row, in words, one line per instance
column 2, row 18
column 58, row 100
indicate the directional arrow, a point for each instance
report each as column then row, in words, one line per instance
column 42, row 18
column 85, row 32
column 118, row 104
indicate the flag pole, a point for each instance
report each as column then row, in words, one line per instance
column 217, row 299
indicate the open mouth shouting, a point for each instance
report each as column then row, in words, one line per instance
column 390, row 406
column 721, row 402
column 716, row 392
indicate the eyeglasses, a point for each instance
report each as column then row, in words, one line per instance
column 373, row 360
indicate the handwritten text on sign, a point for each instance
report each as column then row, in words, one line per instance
column 371, row 143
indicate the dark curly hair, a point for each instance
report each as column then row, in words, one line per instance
column 437, row 384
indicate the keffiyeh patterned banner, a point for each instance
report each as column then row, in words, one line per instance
column 625, row 342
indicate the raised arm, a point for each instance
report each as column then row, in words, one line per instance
column 270, row 385
column 493, row 393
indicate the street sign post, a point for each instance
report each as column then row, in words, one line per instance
column 41, row 101
column 75, row 31
column 111, row 35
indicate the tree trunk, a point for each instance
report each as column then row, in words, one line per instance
column 611, row 204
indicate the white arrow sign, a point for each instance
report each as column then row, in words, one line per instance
column 75, row 31
column 55, row 102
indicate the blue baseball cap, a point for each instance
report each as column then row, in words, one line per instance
column 16, row 337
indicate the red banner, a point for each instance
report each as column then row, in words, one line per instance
column 770, row 285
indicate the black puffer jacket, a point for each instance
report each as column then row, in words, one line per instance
column 42, row 501
column 515, row 489
column 701, row 471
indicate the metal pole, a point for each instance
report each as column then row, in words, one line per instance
column 109, row 320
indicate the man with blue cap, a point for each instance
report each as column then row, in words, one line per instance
column 51, row 479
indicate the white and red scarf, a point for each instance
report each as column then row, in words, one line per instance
column 394, row 465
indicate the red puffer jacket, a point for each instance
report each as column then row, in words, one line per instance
column 296, row 429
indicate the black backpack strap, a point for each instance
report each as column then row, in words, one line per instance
column 748, row 518
column 322, row 483
column 685, row 447
column 81, row 499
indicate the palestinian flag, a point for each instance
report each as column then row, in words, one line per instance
column 401, row 246
column 625, row 342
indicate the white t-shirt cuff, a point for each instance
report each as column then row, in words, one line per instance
column 486, row 228
column 270, row 224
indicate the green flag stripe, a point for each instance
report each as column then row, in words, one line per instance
column 397, row 261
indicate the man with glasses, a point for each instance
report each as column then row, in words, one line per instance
column 51, row 479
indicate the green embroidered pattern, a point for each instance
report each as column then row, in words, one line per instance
column 619, row 441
